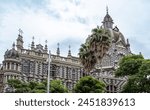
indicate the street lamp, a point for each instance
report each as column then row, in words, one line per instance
column 48, row 76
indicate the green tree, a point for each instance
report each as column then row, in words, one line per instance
column 89, row 84
column 56, row 86
column 132, row 85
column 87, row 57
column 138, row 71
column 144, row 76
column 129, row 65
column 37, row 87
column 18, row 86
column 95, row 47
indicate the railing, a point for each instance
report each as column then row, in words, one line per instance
column 53, row 57
column 31, row 52
column 65, row 59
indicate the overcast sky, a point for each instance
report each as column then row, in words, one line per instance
column 69, row 22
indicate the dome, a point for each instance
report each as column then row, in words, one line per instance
column 12, row 53
column 117, row 36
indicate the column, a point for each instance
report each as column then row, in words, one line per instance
column 36, row 67
column 41, row 68
column 15, row 66
column 10, row 65
column 60, row 71
column 5, row 79
column 6, row 66
column 18, row 67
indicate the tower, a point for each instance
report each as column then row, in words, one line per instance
column 20, row 41
column 58, row 50
column 11, row 64
column 108, row 21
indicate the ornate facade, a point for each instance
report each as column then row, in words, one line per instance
column 31, row 64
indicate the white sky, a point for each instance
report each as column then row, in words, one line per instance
column 70, row 21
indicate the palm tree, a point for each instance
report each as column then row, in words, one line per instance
column 95, row 47
column 100, row 42
column 87, row 57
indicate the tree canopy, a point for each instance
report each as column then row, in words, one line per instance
column 94, row 48
column 138, row 71
column 129, row 65
column 18, row 86
column 89, row 84
column 56, row 86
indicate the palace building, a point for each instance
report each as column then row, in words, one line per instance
column 32, row 64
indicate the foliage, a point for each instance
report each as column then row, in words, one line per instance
column 56, row 86
column 95, row 47
column 36, row 87
column 89, row 84
column 129, row 65
column 87, row 57
column 132, row 85
column 138, row 71
column 18, row 86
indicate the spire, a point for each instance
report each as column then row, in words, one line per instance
column 106, row 9
column 20, row 32
column 58, row 50
column 13, row 45
column 32, row 44
column 128, row 44
column 69, row 52
column 46, row 48
column 108, row 21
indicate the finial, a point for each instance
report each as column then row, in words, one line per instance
column 20, row 32
column 32, row 44
column 128, row 44
column 69, row 52
column 46, row 42
column 33, row 39
column 127, row 41
column 46, row 48
column 107, row 9
column 13, row 45
column 58, row 50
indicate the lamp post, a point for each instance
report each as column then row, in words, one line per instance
column 48, row 76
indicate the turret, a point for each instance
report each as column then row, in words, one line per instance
column 108, row 21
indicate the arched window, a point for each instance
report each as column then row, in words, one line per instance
column 106, row 61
